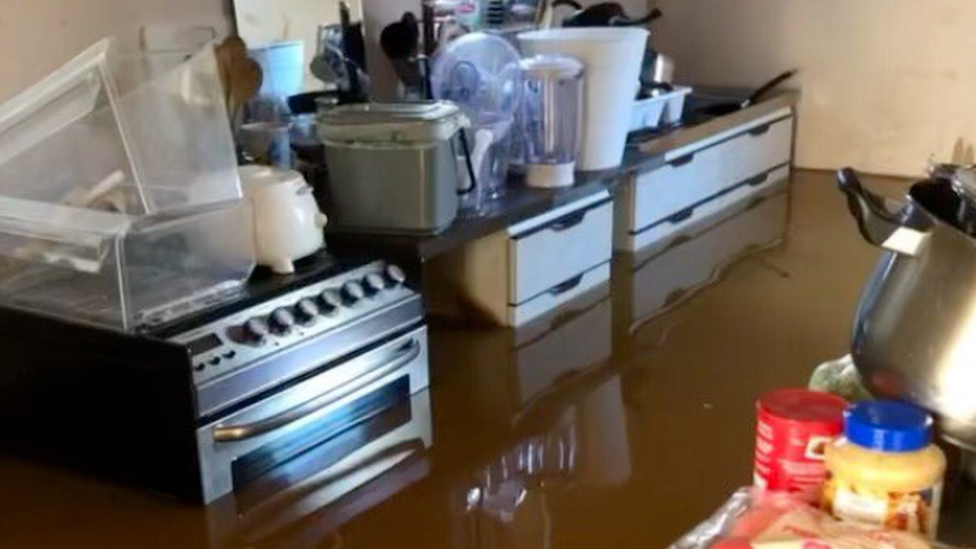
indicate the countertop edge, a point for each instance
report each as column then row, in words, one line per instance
column 521, row 202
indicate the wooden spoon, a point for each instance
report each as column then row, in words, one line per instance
column 246, row 80
column 228, row 52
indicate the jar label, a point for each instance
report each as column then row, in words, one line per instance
column 915, row 512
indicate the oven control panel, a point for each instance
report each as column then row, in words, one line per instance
column 271, row 327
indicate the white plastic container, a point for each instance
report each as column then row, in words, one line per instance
column 612, row 57
column 886, row 471
column 661, row 110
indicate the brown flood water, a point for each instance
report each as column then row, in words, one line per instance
column 620, row 424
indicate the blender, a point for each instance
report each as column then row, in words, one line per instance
column 552, row 107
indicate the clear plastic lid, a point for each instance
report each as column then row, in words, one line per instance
column 152, row 129
column 120, row 203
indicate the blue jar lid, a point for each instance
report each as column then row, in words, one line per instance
column 888, row 426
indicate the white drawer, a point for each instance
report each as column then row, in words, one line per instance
column 698, row 175
column 559, row 294
column 664, row 229
column 545, row 255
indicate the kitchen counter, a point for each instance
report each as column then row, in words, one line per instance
column 601, row 428
column 521, row 202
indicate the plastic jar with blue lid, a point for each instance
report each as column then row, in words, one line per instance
column 885, row 471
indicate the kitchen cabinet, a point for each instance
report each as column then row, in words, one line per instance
column 703, row 178
column 529, row 269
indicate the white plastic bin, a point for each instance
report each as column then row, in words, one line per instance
column 659, row 111
column 612, row 57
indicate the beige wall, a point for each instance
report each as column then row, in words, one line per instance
column 37, row 36
column 886, row 83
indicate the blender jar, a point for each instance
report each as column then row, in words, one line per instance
column 552, row 111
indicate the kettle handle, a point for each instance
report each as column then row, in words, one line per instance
column 875, row 220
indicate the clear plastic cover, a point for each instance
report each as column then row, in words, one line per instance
column 120, row 203
column 152, row 130
column 122, row 272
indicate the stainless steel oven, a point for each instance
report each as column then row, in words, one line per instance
column 252, row 441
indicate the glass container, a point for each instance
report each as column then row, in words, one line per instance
column 552, row 111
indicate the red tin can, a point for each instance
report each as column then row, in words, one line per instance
column 794, row 426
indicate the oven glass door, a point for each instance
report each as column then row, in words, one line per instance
column 330, row 414
column 302, row 502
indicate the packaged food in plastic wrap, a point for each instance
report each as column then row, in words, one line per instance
column 840, row 377
column 753, row 519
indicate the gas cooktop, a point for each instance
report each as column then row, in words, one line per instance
column 265, row 285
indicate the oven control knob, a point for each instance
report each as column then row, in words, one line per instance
column 256, row 330
column 374, row 283
column 395, row 275
column 330, row 300
column 353, row 291
column 306, row 311
column 282, row 321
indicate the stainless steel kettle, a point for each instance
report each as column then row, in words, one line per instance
column 915, row 329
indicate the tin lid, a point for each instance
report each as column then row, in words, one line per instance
column 805, row 406
column 393, row 122
column 888, row 426
column 388, row 113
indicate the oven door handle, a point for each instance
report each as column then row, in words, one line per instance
column 236, row 433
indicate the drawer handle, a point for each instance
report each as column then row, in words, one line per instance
column 235, row 433
column 682, row 216
column 682, row 161
column 758, row 180
column 568, row 222
column 761, row 130
column 567, row 286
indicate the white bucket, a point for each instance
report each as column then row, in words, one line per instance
column 613, row 58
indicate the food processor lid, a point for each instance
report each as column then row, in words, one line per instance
column 551, row 67
column 888, row 426
column 480, row 73
column 255, row 177
column 391, row 122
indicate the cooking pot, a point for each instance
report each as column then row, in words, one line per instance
column 287, row 222
column 915, row 329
